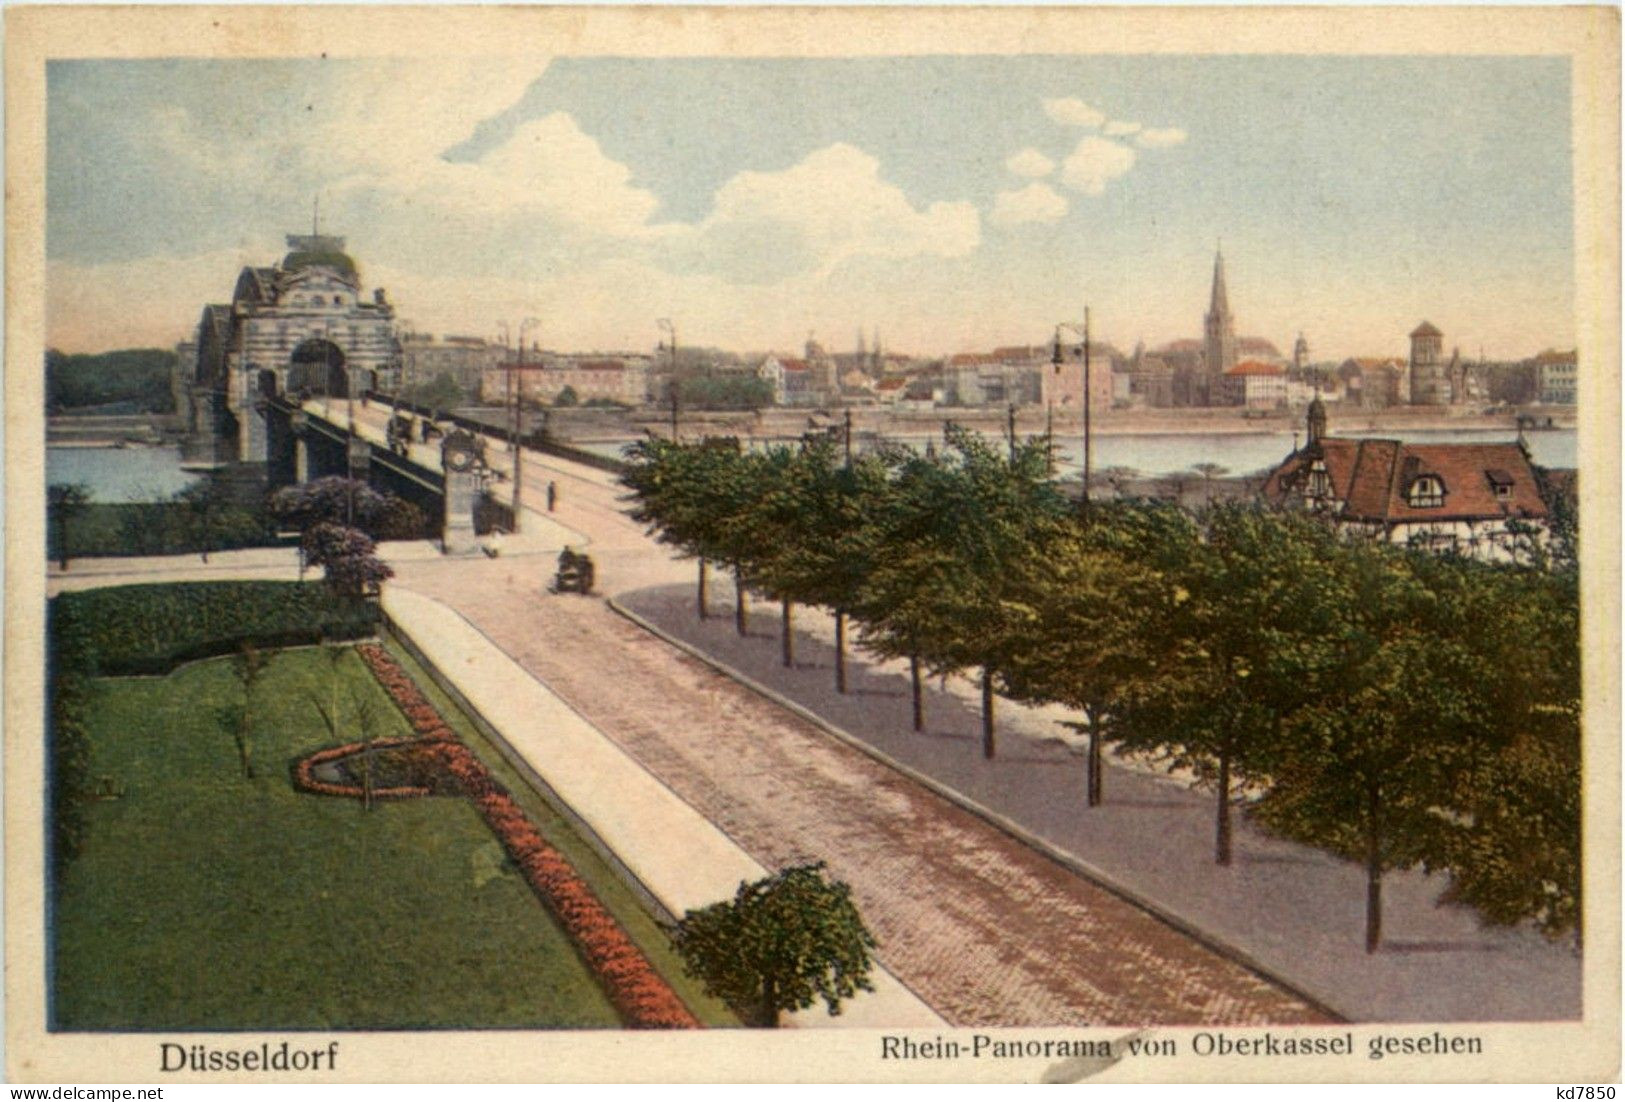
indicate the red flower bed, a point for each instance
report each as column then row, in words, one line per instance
column 304, row 772
column 644, row 999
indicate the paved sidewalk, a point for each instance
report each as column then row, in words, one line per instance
column 674, row 852
column 1296, row 910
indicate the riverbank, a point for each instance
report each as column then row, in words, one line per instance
column 605, row 426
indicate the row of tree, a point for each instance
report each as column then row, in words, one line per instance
column 136, row 380
column 1400, row 708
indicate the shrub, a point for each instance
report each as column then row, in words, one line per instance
column 147, row 629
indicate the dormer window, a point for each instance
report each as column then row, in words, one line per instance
column 1427, row 492
column 1501, row 483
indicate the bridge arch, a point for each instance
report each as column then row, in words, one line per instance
column 317, row 367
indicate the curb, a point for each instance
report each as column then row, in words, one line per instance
column 1067, row 860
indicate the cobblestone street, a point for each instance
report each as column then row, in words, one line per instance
column 985, row 930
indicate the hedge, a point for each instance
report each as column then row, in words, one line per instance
column 149, row 629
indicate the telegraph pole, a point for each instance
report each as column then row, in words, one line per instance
column 848, row 438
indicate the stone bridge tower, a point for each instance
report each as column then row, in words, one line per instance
column 302, row 327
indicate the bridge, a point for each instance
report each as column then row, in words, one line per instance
column 325, row 436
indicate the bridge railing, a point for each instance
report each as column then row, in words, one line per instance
column 537, row 439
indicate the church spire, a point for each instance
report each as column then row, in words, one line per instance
column 1219, row 329
column 1220, row 305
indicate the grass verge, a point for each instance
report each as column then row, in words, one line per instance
column 204, row 900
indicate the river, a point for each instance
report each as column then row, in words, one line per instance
column 133, row 473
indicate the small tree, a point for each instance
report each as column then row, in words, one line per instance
column 780, row 944
column 248, row 665
column 567, row 397
column 202, row 502
column 64, row 502
column 346, row 556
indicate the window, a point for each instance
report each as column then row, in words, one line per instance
column 1426, row 492
column 1320, row 481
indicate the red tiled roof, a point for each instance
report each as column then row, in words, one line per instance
column 793, row 365
column 600, row 365
column 974, row 359
column 891, row 384
column 1019, row 352
column 1253, row 367
column 1373, row 478
column 1552, row 356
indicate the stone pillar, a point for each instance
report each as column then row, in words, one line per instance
column 301, row 460
column 462, row 494
column 254, row 439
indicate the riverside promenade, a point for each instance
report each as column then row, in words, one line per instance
column 1294, row 911
column 984, row 928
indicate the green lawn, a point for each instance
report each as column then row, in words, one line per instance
column 206, row 901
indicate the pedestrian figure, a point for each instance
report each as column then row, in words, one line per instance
column 552, row 495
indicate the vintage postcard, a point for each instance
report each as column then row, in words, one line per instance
column 748, row 544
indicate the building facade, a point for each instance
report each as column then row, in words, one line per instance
column 425, row 358
column 302, row 327
column 1481, row 500
column 623, row 380
column 1556, row 377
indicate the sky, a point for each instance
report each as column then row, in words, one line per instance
column 952, row 203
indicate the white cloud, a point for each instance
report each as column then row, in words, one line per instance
column 831, row 207
column 1160, row 138
column 547, row 167
column 1119, row 129
column 1072, row 111
column 1095, row 163
column 1030, row 163
column 1037, row 202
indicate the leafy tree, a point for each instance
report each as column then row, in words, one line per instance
column 725, row 392
column 567, row 398
column 1237, row 644
column 1118, row 478
column 1209, row 471
column 1092, row 610
column 782, row 943
column 1512, row 846
column 699, row 498
column 441, row 392
column 679, row 494
column 347, row 557
column 136, row 378
column 954, row 534
column 64, row 501
column 205, row 505
column 332, row 500
column 1366, row 764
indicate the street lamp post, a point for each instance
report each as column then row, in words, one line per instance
column 519, row 423
column 668, row 327
column 1088, row 436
